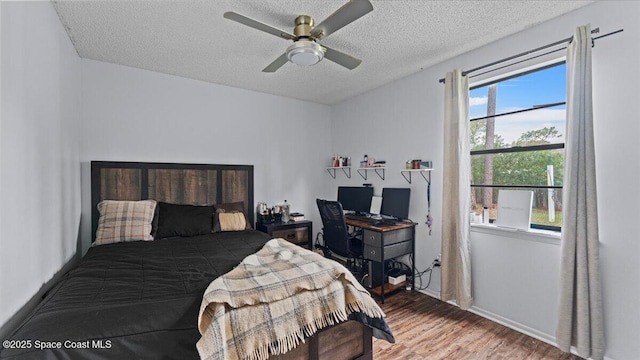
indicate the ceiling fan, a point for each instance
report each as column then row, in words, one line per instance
column 306, row 49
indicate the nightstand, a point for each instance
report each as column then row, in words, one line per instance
column 297, row 232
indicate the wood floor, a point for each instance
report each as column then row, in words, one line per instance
column 427, row 328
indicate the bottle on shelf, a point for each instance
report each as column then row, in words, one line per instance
column 335, row 161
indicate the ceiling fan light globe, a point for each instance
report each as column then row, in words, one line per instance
column 304, row 58
column 305, row 52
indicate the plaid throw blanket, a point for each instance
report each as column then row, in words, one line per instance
column 273, row 299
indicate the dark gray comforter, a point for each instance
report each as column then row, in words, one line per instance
column 132, row 300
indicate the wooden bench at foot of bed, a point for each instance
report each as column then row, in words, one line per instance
column 346, row 341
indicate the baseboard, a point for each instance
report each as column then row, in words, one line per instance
column 432, row 293
column 502, row 321
column 536, row 334
column 16, row 320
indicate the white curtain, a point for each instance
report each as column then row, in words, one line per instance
column 456, row 257
column 580, row 321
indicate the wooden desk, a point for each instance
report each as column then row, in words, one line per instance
column 382, row 243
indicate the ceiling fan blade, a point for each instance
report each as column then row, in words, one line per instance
column 341, row 58
column 258, row 25
column 276, row 64
column 345, row 15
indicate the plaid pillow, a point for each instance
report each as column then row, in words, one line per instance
column 122, row 221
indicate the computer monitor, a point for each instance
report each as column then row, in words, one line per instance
column 395, row 202
column 355, row 198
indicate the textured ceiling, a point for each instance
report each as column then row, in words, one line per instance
column 191, row 39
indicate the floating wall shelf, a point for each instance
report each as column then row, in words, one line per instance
column 378, row 170
column 407, row 174
column 345, row 169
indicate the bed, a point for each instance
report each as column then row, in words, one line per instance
column 141, row 299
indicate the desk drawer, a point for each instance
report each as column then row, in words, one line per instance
column 297, row 236
column 390, row 251
column 376, row 238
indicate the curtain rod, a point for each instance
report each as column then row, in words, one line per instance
column 569, row 39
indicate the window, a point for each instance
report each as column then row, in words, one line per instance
column 517, row 141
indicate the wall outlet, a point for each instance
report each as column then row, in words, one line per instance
column 436, row 262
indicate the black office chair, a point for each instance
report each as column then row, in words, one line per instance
column 336, row 237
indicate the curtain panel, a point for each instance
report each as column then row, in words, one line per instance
column 456, row 254
column 580, row 320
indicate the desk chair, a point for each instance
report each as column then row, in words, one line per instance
column 336, row 238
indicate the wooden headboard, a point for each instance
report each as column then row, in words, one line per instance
column 195, row 184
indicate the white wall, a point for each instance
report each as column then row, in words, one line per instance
column 136, row 115
column 395, row 123
column 40, row 169
column 516, row 277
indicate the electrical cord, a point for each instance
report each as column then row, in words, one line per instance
column 318, row 238
column 430, row 271
column 394, row 265
column 318, row 246
column 419, row 274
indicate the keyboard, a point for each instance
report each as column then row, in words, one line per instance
column 376, row 222
column 358, row 217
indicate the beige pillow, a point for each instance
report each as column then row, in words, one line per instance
column 122, row 221
column 233, row 207
column 229, row 221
